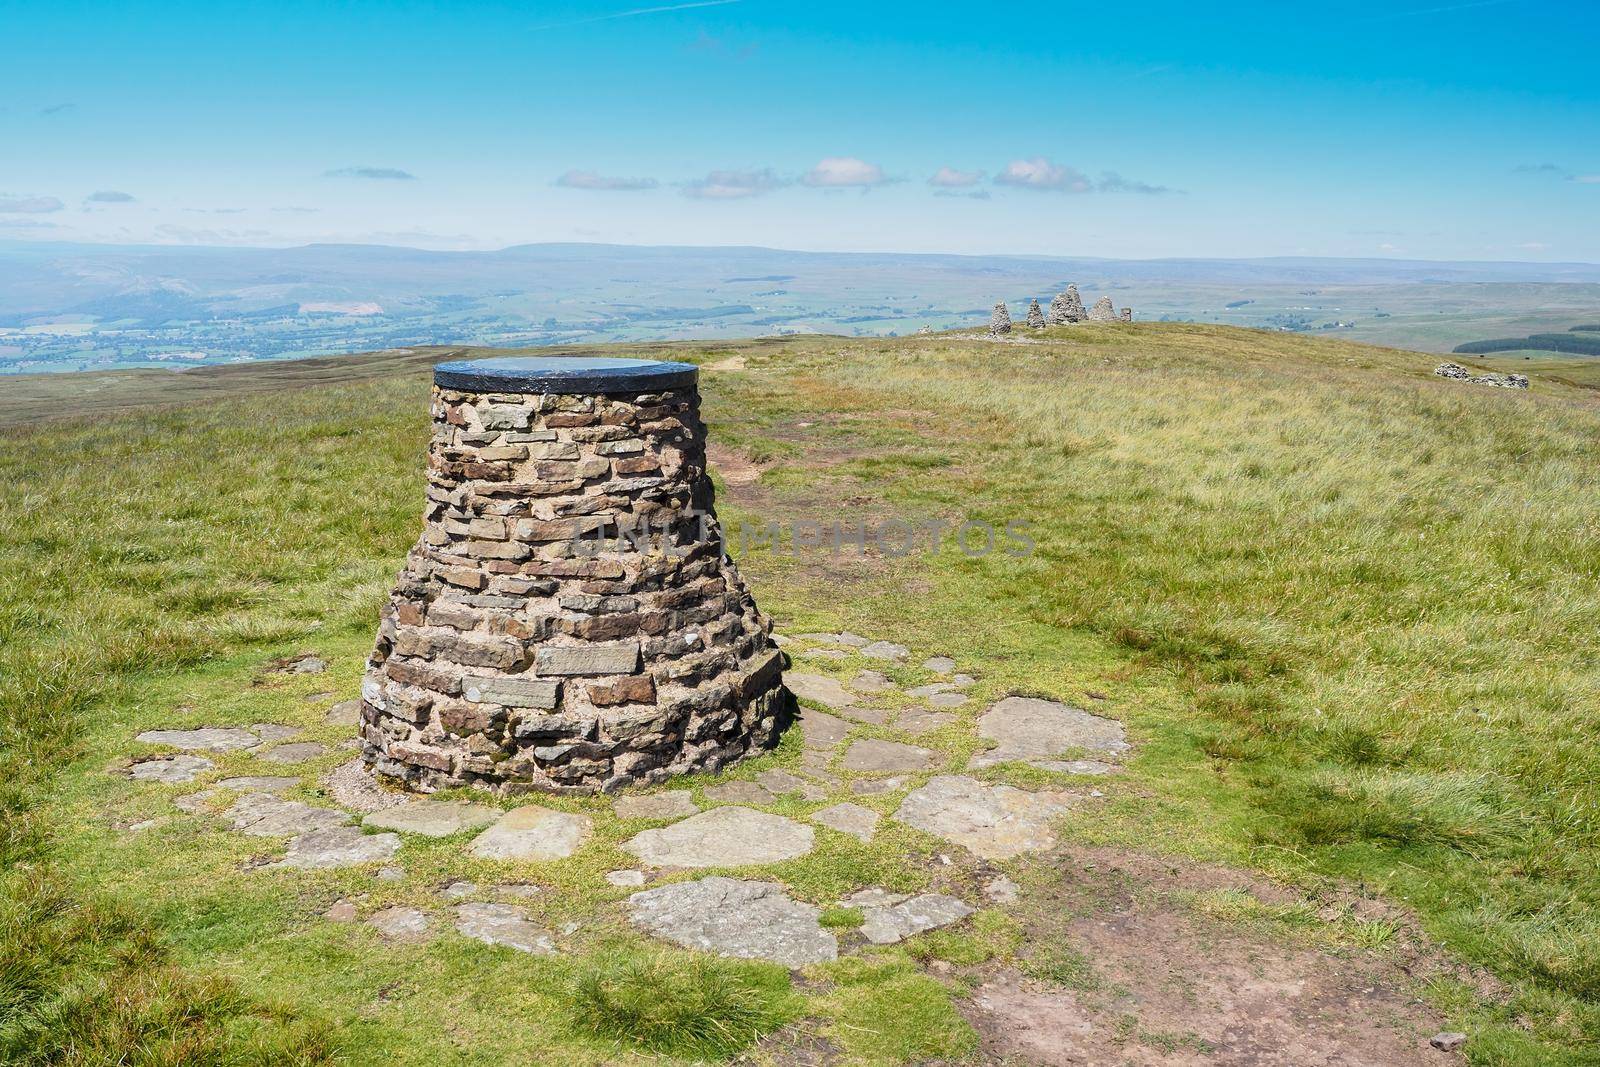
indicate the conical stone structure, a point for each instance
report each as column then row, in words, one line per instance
column 568, row 620
column 1074, row 305
column 1102, row 311
column 1035, row 315
column 1058, row 310
column 999, row 320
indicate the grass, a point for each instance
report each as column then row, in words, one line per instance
column 1346, row 608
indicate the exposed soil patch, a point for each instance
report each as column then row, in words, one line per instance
column 1121, row 968
column 735, row 467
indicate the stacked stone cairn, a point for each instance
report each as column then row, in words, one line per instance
column 1035, row 316
column 568, row 621
column 1127, row 314
column 1103, row 311
column 999, row 320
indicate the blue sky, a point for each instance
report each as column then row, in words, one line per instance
column 1446, row 129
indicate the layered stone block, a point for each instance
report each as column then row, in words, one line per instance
column 569, row 620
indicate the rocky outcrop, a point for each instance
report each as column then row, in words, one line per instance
column 1456, row 372
column 999, row 320
column 1035, row 315
column 1102, row 311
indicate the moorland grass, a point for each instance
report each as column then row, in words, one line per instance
column 1346, row 608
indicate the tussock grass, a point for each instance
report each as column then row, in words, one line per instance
column 682, row 1005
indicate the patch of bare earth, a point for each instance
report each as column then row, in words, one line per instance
column 1130, row 973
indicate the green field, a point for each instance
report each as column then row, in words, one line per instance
column 1346, row 609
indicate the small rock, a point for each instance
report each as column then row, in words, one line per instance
column 992, row 821
column 309, row 665
column 746, row 920
column 345, row 713
column 821, row 730
column 1027, row 728
column 503, row 924
column 518, row 890
column 939, row 664
column 141, row 827
column 962, row 681
column 871, row 682
column 460, row 889
column 297, row 752
column 317, row 698
column 259, row 783
column 205, row 739
column 266, row 815
column 406, row 925
column 870, row 716
column 623, row 879
column 1448, row 1040
column 343, row 911
column 827, row 653
column 338, row 846
column 916, row 722
column 780, row 781
column 886, row 925
column 739, row 793
column 170, row 770
column 390, row 874
column 872, row 755
column 723, row 837
column 674, row 804
column 922, row 692
column 1001, row 890
column 948, row 700
column 433, row 818
column 533, row 833
column 847, row 818
column 196, row 803
column 886, row 650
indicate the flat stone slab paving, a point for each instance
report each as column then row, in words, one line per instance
column 992, row 821
column 205, row 739
column 739, row 793
column 887, row 756
column 259, row 783
column 819, row 688
column 848, row 818
column 339, row 846
column 406, row 925
column 870, row 716
column 821, row 730
column 433, row 818
column 294, row 752
column 345, row 713
column 503, row 924
column 922, row 692
column 779, row 782
column 939, row 664
column 170, row 770
column 626, row 879
column 266, row 815
column 917, row 722
column 886, row 650
column 723, row 837
column 871, row 682
column 675, row 804
column 728, row 916
column 890, row 923
column 1076, row 766
column 948, row 700
column 272, row 731
column 533, row 833
column 1028, row 729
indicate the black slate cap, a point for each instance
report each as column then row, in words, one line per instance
column 563, row 374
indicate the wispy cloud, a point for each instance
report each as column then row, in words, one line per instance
column 1585, row 179
column 965, row 194
column 733, row 184
column 1112, row 182
column 1538, row 168
column 844, row 172
column 588, row 179
column 372, row 173
column 29, row 205
column 951, row 178
column 1042, row 175
column 633, row 13
column 56, row 109
column 109, row 196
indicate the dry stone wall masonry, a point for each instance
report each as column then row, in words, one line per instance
column 568, row 620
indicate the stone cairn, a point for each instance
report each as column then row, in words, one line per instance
column 1035, row 316
column 1456, row 372
column 1102, row 311
column 568, row 621
column 1127, row 314
column 999, row 320
column 1067, row 307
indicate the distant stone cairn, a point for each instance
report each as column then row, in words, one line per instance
column 999, row 320
column 1058, row 310
column 1035, row 315
column 1074, row 305
column 1456, row 372
column 1102, row 311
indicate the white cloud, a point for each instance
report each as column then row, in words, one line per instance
column 588, row 179
column 733, row 184
column 391, row 174
column 1112, row 182
column 110, row 196
column 844, row 172
column 29, row 205
column 1039, row 173
column 950, row 178
column 1585, row 179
